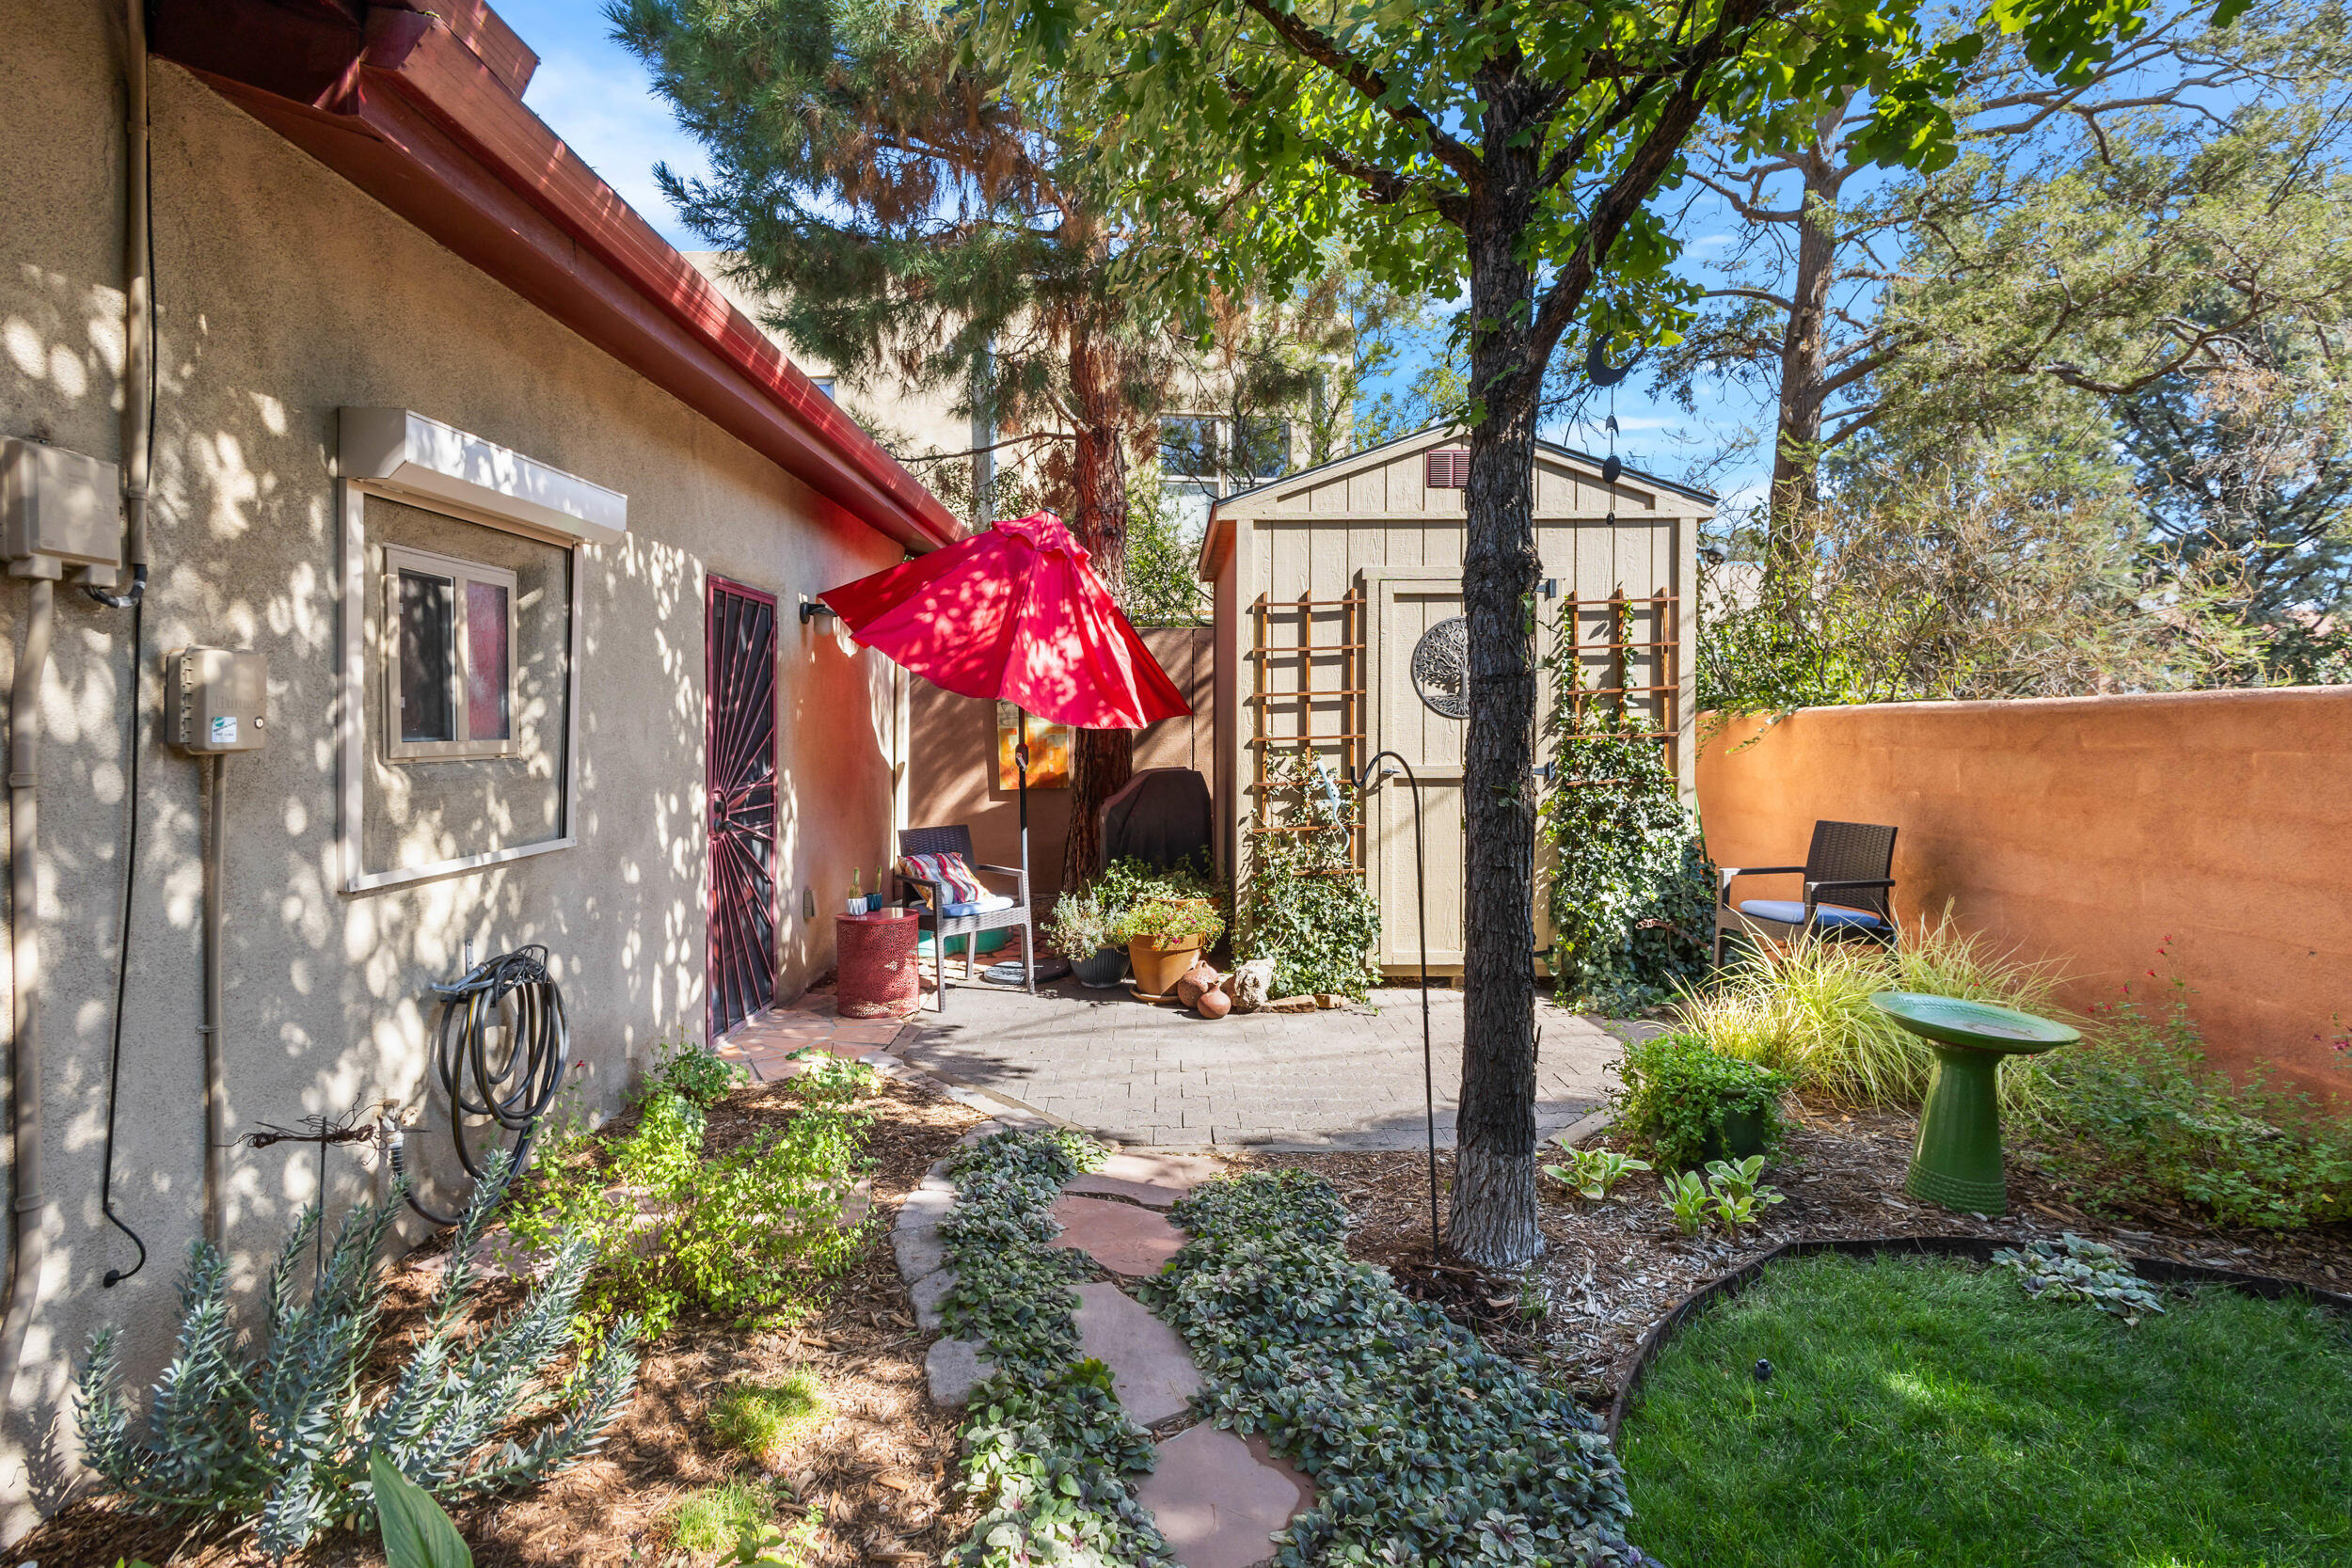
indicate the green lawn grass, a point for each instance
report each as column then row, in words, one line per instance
column 1925, row 1412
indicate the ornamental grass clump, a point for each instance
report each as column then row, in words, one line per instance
column 1047, row 1449
column 281, row 1435
column 1806, row 1011
column 1424, row 1446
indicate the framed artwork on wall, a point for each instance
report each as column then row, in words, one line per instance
column 1049, row 749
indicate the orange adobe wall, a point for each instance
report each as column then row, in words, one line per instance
column 2093, row 831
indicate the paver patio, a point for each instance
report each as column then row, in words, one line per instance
column 1159, row 1077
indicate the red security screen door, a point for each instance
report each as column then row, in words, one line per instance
column 740, row 742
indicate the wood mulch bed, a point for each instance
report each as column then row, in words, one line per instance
column 877, row 1473
column 1611, row 1269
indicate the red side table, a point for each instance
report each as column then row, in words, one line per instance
column 878, row 977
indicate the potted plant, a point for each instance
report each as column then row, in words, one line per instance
column 1165, row 937
column 857, row 898
column 1081, row 932
column 874, row 899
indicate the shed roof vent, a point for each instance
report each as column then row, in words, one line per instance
column 1449, row 468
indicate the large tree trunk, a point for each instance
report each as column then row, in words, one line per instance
column 1492, row 1216
column 1804, row 356
column 1101, row 761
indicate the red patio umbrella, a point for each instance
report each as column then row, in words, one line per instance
column 1014, row 612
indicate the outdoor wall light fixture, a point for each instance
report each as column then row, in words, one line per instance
column 1420, row 913
column 812, row 610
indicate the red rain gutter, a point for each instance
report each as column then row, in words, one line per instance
column 423, row 111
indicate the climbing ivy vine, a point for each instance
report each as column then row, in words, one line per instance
column 1305, row 906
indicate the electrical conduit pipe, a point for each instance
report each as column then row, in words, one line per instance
column 24, row 1066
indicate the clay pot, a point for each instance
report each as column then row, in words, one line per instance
column 1199, row 978
column 1157, row 969
column 1214, row 1004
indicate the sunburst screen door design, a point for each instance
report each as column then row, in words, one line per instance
column 740, row 741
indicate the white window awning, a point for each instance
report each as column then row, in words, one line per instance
column 399, row 450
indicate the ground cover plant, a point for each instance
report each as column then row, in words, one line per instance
column 2138, row 1107
column 1424, row 1446
column 1930, row 1414
column 281, row 1435
column 1805, row 1010
column 1047, row 1449
column 747, row 1230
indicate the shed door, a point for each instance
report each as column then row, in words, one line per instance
column 1406, row 605
column 739, row 745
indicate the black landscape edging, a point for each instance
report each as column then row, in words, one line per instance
column 2159, row 1271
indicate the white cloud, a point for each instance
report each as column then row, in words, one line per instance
column 607, row 111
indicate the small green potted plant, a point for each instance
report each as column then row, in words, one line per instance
column 874, row 899
column 1685, row 1102
column 1165, row 937
column 1081, row 932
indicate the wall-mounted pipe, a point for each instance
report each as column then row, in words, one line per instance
column 216, row 1092
column 24, row 1066
column 138, row 312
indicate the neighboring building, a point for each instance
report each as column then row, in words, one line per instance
column 519, row 512
column 1339, row 594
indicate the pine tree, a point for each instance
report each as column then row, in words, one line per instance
column 916, row 225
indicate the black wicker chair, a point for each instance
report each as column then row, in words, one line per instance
column 1849, row 893
column 941, row 925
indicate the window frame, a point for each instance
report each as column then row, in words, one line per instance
column 460, row 573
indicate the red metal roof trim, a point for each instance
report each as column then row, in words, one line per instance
column 406, row 111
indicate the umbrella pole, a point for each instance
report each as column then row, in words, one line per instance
column 1021, row 764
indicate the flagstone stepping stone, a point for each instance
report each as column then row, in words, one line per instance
column 1122, row 1238
column 1151, row 1370
column 954, row 1368
column 1217, row 1497
column 1156, row 1180
column 929, row 1296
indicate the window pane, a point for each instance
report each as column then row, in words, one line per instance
column 1188, row 447
column 425, row 648
column 1262, row 447
column 486, row 713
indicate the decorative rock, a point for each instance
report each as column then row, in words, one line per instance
column 1303, row 1003
column 1123, row 1239
column 930, row 1295
column 954, row 1368
column 1217, row 1498
column 1150, row 1370
column 1253, row 982
column 981, row 1135
column 920, row 1251
column 1155, row 1181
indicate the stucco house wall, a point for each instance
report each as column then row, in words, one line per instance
column 285, row 294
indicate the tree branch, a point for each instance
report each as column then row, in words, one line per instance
column 1326, row 51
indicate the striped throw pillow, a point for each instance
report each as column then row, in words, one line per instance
column 950, row 871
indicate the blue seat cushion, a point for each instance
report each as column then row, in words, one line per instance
column 989, row 904
column 1790, row 911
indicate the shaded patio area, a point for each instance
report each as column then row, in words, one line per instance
column 1155, row 1076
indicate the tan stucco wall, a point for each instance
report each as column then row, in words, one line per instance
column 284, row 295
column 2093, row 831
column 951, row 768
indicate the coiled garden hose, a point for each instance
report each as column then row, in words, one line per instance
column 511, row 994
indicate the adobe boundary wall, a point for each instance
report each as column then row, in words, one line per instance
column 2093, row 831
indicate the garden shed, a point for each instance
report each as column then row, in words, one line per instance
column 1339, row 602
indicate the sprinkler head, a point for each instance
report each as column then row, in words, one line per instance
column 1763, row 1371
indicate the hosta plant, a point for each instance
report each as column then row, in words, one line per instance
column 1736, row 1191
column 281, row 1432
column 1592, row 1171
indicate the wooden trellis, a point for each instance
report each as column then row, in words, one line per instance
column 1349, row 694
column 1615, row 620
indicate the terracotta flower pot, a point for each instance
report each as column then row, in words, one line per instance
column 1158, row 968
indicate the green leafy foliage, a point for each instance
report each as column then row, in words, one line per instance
column 758, row 1420
column 282, row 1435
column 1676, row 1091
column 1046, row 1446
column 1631, row 891
column 668, row 1223
column 685, row 1069
column 1736, row 1193
column 1128, row 881
column 1305, row 905
column 1424, row 1446
column 2072, row 1269
column 1081, row 927
column 737, row 1516
column 1591, row 1172
column 2137, row 1111
column 1686, row 1200
column 416, row 1532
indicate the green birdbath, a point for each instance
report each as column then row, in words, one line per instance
column 1957, row 1162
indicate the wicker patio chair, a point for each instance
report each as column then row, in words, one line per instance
column 941, row 925
column 1849, row 893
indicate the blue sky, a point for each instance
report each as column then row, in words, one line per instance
column 597, row 96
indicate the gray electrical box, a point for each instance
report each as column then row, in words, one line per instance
column 215, row 700
column 57, row 506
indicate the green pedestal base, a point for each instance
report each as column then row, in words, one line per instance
column 1957, row 1161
